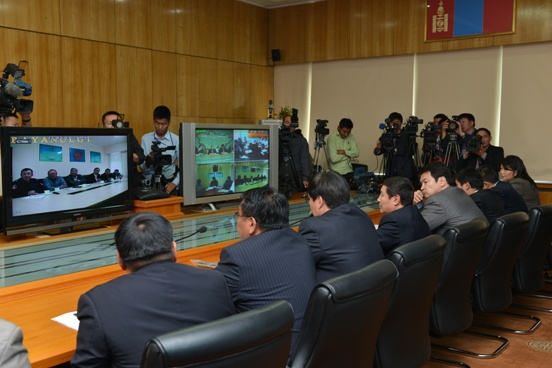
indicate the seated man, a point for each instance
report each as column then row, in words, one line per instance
column 53, row 181
column 471, row 182
column 12, row 352
column 26, row 185
column 228, row 183
column 341, row 236
column 271, row 262
column 156, row 296
column 106, row 175
column 509, row 198
column 214, row 182
column 402, row 222
column 446, row 205
column 74, row 179
column 95, row 176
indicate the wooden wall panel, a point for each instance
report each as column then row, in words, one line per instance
column 92, row 20
column 225, row 89
column 164, row 73
column 32, row 15
column 187, row 86
column 242, row 91
column 88, row 82
column 163, row 20
column 259, row 51
column 209, row 85
column 196, row 28
column 262, row 82
column 233, row 31
column 533, row 23
column 133, row 23
column 370, row 31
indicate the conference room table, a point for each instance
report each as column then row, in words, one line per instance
column 42, row 278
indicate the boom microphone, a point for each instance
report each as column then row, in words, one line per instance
column 200, row 230
column 13, row 90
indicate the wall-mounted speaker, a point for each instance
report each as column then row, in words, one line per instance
column 276, row 55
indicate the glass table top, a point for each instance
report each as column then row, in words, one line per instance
column 39, row 261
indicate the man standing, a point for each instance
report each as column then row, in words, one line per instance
column 484, row 154
column 470, row 181
column 53, row 181
column 26, row 185
column 402, row 222
column 342, row 149
column 446, row 205
column 158, row 143
column 295, row 163
column 271, row 262
column 156, row 296
column 341, row 236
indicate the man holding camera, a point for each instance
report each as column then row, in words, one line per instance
column 295, row 165
column 342, row 149
column 479, row 151
column 162, row 145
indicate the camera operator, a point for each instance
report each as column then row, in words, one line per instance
column 162, row 141
column 11, row 119
column 112, row 119
column 299, row 171
column 479, row 151
column 342, row 149
column 465, row 131
column 432, row 135
column 395, row 144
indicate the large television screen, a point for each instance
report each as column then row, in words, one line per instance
column 221, row 161
column 30, row 155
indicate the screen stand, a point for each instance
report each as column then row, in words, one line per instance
column 206, row 207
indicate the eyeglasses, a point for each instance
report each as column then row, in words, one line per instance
column 236, row 216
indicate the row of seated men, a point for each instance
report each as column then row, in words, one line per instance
column 27, row 185
column 271, row 261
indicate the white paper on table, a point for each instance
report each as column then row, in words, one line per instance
column 68, row 319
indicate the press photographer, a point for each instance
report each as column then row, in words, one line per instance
column 398, row 146
column 479, row 152
column 431, row 135
column 294, row 156
column 161, row 161
column 10, row 93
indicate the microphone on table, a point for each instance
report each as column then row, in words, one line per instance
column 200, row 230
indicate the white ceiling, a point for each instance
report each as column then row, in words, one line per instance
column 268, row 4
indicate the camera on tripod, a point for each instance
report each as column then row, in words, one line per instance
column 474, row 144
column 430, row 133
column 10, row 92
column 411, row 126
column 159, row 159
column 452, row 128
column 321, row 127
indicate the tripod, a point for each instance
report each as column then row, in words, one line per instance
column 288, row 181
column 452, row 149
column 319, row 144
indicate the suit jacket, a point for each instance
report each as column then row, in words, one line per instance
column 508, row 197
column 73, row 182
column 448, row 208
column 489, row 204
column 91, row 178
column 12, row 352
column 120, row 316
column 400, row 227
column 342, row 240
column 271, row 266
column 494, row 158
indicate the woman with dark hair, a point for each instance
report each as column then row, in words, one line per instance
column 512, row 170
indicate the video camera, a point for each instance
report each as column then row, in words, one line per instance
column 120, row 123
column 159, row 159
column 321, row 127
column 430, row 133
column 474, row 144
column 285, row 132
column 388, row 135
column 411, row 126
column 10, row 92
column 452, row 128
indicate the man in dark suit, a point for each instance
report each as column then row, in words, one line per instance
column 402, row 222
column 74, row 178
column 509, row 198
column 156, row 296
column 471, row 182
column 95, row 176
column 271, row 262
column 341, row 236
column 483, row 154
column 446, row 205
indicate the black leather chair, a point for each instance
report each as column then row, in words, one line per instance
column 256, row 338
column 528, row 276
column 404, row 338
column 492, row 284
column 451, row 309
column 344, row 317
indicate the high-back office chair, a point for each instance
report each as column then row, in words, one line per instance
column 404, row 337
column 256, row 338
column 492, row 283
column 344, row 317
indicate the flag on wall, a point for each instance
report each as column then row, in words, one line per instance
column 460, row 18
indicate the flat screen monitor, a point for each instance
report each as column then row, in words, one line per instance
column 29, row 155
column 221, row 161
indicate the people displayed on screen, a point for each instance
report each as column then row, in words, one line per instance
column 106, row 175
column 200, row 189
column 53, row 181
column 74, row 179
column 116, row 175
column 95, row 176
column 228, row 183
column 26, row 185
column 214, row 182
column 255, row 148
column 162, row 144
column 138, row 155
column 201, row 149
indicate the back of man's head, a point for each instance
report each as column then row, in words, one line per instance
column 488, row 174
column 471, row 176
column 269, row 208
column 142, row 237
column 331, row 186
column 437, row 169
column 401, row 186
column 162, row 112
column 346, row 123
